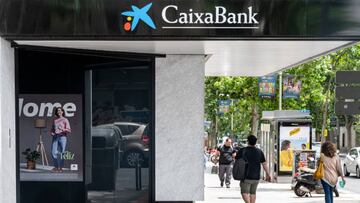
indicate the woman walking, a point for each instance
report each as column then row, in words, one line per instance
column 332, row 169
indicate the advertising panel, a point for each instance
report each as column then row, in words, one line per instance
column 267, row 86
column 304, row 160
column 291, row 87
column 51, row 137
column 292, row 138
column 224, row 106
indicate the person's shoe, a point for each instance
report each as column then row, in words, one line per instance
column 222, row 184
column 227, row 185
column 54, row 170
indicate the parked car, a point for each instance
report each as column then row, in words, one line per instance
column 135, row 143
column 352, row 162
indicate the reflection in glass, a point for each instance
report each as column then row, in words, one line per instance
column 120, row 133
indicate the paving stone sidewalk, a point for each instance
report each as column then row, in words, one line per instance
column 266, row 193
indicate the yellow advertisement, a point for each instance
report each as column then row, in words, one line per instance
column 292, row 138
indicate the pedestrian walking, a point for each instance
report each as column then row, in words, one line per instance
column 332, row 169
column 206, row 157
column 254, row 157
column 227, row 155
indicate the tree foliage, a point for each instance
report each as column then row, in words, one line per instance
column 317, row 94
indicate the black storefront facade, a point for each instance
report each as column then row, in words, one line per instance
column 45, row 55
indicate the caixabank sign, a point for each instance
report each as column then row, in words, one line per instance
column 181, row 19
column 174, row 17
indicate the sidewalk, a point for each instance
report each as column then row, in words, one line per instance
column 267, row 192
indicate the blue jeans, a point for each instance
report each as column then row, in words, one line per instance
column 205, row 160
column 328, row 190
column 58, row 141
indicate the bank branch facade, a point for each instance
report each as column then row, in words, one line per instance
column 128, row 78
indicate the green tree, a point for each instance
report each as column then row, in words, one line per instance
column 317, row 95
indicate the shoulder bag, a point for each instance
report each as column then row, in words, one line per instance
column 319, row 173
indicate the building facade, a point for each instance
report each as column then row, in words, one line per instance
column 113, row 65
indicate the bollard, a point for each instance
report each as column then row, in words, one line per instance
column 138, row 175
column 139, row 166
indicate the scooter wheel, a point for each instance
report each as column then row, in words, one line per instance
column 297, row 190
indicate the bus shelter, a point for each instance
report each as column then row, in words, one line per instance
column 282, row 132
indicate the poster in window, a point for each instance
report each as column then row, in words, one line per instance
column 51, row 137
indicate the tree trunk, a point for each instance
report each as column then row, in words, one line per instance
column 325, row 111
column 254, row 120
column 323, row 126
column 325, row 106
column 212, row 134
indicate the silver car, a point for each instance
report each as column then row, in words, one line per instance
column 135, row 143
column 352, row 162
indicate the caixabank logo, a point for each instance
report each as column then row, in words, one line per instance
column 137, row 14
column 180, row 17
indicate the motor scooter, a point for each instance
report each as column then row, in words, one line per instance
column 304, row 183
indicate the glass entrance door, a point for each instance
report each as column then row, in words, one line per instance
column 120, row 109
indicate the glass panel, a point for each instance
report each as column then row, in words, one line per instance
column 120, row 133
column 127, row 129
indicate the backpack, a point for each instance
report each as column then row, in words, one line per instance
column 240, row 167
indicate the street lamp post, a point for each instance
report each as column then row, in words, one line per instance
column 280, row 91
column 232, row 118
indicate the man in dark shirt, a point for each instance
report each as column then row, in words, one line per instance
column 227, row 154
column 255, row 157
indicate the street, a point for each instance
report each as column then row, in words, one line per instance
column 352, row 184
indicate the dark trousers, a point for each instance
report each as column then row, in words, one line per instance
column 328, row 190
column 225, row 173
